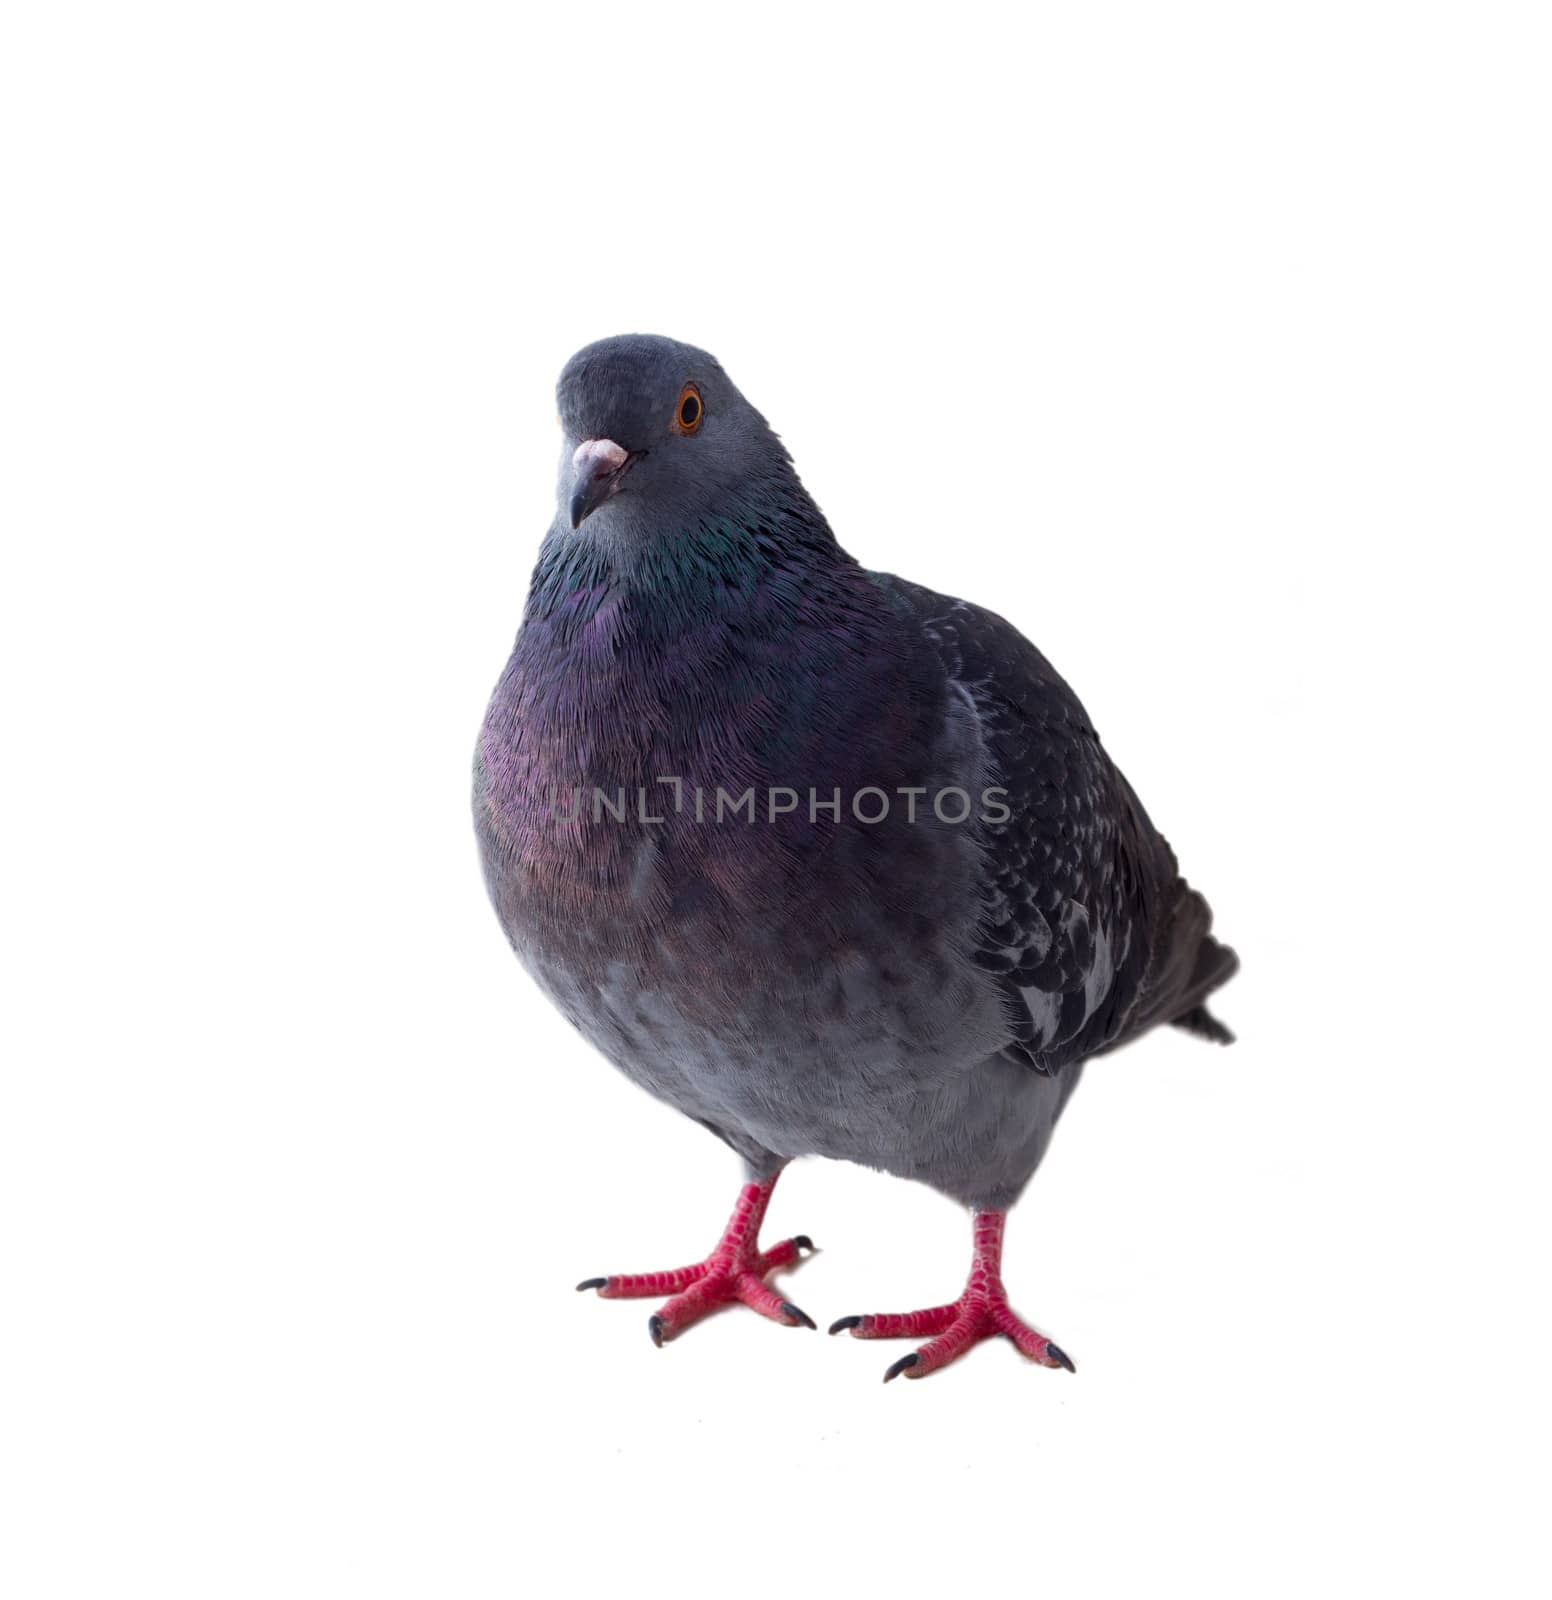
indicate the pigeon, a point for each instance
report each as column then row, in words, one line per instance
column 833, row 864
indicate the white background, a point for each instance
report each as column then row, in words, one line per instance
column 1210, row 344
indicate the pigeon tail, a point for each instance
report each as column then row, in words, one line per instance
column 1200, row 1021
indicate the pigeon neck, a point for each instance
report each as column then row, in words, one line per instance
column 671, row 575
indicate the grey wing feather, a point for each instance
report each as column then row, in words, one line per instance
column 1088, row 926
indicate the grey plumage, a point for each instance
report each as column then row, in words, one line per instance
column 916, row 995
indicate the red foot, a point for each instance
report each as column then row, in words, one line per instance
column 735, row 1270
column 981, row 1312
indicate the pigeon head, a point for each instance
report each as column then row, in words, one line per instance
column 656, row 431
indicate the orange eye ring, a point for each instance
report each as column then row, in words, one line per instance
column 690, row 411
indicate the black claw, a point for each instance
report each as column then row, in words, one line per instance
column 655, row 1328
column 803, row 1242
column 904, row 1364
column 797, row 1315
column 842, row 1323
column 1056, row 1353
column 591, row 1283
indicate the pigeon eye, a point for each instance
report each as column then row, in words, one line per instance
column 690, row 410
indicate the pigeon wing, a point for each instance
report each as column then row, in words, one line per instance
column 1088, row 927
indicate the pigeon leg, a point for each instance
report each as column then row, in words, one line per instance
column 734, row 1271
column 981, row 1312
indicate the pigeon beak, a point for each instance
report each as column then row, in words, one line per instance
column 597, row 465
